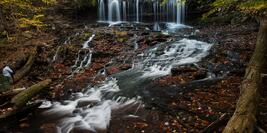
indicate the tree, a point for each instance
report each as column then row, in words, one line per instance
column 244, row 118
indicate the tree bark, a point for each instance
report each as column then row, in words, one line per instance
column 22, row 98
column 244, row 118
column 25, row 69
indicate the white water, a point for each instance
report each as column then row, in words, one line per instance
column 156, row 27
column 82, row 61
column 86, row 43
column 92, row 109
column 124, row 11
column 114, row 12
column 56, row 54
column 185, row 51
column 101, row 10
column 89, row 110
column 137, row 10
column 132, row 10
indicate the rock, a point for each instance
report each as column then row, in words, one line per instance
column 112, row 70
column 183, row 69
column 145, row 33
column 160, row 50
column 189, row 71
column 125, row 66
column 49, row 127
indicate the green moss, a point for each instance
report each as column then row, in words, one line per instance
column 85, row 36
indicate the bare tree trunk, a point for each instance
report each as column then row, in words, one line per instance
column 244, row 118
column 25, row 69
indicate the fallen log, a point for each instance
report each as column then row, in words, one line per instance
column 6, row 96
column 17, row 114
column 244, row 119
column 11, row 93
column 25, row 69
column 22, row 98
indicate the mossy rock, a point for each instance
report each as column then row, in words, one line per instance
column 85, row 36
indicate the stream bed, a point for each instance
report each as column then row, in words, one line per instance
column 93, row 108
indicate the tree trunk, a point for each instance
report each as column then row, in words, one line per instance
column 22, row 98
column 25, row 69
column 244, row 118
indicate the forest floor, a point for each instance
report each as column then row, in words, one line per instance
column 182, row 105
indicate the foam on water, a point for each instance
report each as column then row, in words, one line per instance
column 156, row 27
column 86, row 43
column 88, row 110
column 92, row 109
column 82, row 61
column 185, row 51
column 56, row 54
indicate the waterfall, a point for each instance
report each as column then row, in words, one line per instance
column 86, row 43
column 124, row 11
column 180, row 15
column 156, row 26
column 56, row 54
column 114, row 11
column 101, row 10
column 137, row 10
column 171, row 11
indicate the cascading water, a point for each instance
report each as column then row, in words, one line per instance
column 124, row 11
column 101, row 10
column 137, row 10
column 171, row 11
column 86, row 43
column 180, row 11
column 91, row 109
column 114, row 12
column 56, row 54
column 84, row 57
column 156, row 26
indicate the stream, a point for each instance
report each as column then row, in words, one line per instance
column 92, row 108
column 122, row 94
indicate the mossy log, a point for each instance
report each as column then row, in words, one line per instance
column 244, row 118
column 25, row 69
column 22, row 98
column 17, row 114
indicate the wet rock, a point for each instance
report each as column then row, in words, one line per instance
column 49, row 127
column 145, row 33
column 112, row 70
column 233, row 56
column 160, row 50
column 161, row 39
column 189, row 71
column 183, row 69
column 125, row 66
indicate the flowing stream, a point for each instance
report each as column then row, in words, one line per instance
column 93, row 108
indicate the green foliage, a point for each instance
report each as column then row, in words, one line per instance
column 49, row 2
column 17, row 15
column 252, row 7
column 35, row 21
